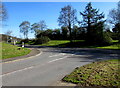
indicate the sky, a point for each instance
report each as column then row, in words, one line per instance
column 47, row 11
column 60, row 0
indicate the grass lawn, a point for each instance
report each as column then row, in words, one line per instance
column 115, row 45
column 80, row 44
column 9, row 51
column 55, row 43
column 102, row 73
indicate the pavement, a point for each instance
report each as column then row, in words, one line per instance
column 49, row 66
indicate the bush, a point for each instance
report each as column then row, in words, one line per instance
column 31, row 41
column 100, row 39
column 42, row 39
column 24, row 40
column 107, row 40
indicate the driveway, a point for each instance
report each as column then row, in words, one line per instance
column 51, row 65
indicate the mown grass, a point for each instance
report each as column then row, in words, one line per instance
column 115, row 45
column 55, row 43
column 102, row 73
column 9, row 51
column 80, row 44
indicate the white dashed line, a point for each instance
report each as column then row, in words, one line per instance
column 57, row 55
column 58, row 59
column 27, row 68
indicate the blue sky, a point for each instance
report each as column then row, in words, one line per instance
column 60, row 0
column 48, row 11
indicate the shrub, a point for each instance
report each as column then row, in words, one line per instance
column 42, row 39
column 100, row 39
column 24, row 40
column 31, row 41
column 107, row 40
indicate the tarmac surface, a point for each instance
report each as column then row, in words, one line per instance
column 47, row 66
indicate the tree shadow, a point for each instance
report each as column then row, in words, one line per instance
column 79, row 49
column 87, row 54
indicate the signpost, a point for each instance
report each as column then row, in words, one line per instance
column 23, row 44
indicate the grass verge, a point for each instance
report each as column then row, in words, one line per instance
column 9, row 51
column 102, row 73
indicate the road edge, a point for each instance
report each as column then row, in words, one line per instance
column 34, row 52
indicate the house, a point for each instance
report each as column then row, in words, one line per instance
column 7, row 38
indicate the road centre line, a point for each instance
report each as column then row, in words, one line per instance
column 27, row 68
column 58, row 59
column 57, row 54
column 17, row 71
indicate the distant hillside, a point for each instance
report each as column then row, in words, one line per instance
column 6, row 38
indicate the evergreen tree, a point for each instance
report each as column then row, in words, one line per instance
column 91, row 17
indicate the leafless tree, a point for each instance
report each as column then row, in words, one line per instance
column 8, row 33
column 114, row 18
column 38, row 27
column 42, row 25
column 24, row 28
column 68, row 18
column 114, row 15
column 3, row 12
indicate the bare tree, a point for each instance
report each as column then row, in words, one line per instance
column 114, row 18
column 24, row 28
column 114, row 15
column 3, row 12
column 42, row 25
column 8, row 33
column 38, row 27
column 68, row 18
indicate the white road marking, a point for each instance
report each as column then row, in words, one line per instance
column 57, row 55
column 27, row 68
column 113, row 54
column 17, row 71
column 99, row 58
column 57, row 59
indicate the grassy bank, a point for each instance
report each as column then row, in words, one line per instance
column 9, row 51
column 102, row 73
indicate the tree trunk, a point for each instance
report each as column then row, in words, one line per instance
column 70, row 30
column 88, row 31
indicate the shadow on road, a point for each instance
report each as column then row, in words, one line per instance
column 89, row 54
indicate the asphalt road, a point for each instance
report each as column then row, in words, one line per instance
column 50, row 66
